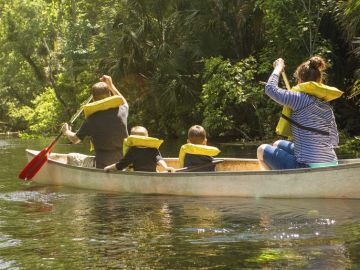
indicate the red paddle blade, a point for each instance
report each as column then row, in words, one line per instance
column 35, row 164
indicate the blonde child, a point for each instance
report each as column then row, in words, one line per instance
column 140, row 157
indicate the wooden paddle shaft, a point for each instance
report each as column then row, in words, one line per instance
column 286, row 81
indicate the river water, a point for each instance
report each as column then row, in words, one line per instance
column 43, row 227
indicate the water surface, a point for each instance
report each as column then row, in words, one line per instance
column 44, row 227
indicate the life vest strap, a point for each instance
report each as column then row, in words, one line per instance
column 321, row 132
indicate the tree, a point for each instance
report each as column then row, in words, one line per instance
column 233, row 103
column 155, row 48
column 349, row 18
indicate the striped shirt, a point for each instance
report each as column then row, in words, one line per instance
column 309, row 111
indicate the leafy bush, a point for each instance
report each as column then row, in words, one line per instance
column 232, row 100
column 43, row 117
column 350, row 149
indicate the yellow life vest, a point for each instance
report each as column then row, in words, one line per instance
column 318, row 90
column 102, row 105
column 141, row 141
column 196, row 149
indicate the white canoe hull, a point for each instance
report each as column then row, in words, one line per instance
column 342, row 181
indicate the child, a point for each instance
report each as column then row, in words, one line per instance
column 143, row 153
column 196, row 152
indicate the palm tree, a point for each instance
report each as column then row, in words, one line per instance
column 157, row 47
column 349, row 18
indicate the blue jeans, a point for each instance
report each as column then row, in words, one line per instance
column 281, row 157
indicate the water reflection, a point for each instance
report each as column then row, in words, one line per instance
column 83, row 228
column 62, row 228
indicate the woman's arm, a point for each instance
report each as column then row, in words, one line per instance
column 292, row 99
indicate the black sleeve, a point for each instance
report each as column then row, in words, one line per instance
column 158, row 156
column 126, row 160
column 84, row 130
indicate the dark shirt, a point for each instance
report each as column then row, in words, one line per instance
column 107, row 130
column 191, row 160
column 142, row 158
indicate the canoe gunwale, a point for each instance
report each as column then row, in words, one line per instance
column 355, row 164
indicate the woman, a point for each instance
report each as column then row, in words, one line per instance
column 312, row 120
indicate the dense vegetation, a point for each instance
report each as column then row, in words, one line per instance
column 178, row 62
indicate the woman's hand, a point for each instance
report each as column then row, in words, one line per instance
column 279, row 66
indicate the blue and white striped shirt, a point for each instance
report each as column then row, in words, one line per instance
column 309, row 111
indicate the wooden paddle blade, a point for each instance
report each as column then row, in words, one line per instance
column 35, row 164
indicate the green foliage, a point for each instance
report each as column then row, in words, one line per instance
column 351, row 148
column 154, row 48
column 293, row 30
column 348, row 15
column 44, row 115
column 231, row 99
column 154, row 51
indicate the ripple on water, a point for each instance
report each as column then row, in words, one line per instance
column 3, row 143
column 31, row 196
column 6, row 242
column 8, row 264
column 289, row 229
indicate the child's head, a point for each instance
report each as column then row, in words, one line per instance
column 197, row 135
column 100, row 91
column 139, row 130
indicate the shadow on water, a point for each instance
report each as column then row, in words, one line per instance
column 43, row 227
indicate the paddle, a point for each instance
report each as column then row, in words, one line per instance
column 196, row 167
column 286, row 81
column 29, row 171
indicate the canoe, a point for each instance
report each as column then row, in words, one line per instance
column 234, row 177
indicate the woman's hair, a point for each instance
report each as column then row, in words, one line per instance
column 196, row 134
column 311, row 70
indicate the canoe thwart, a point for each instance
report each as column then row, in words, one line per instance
column 192, row 168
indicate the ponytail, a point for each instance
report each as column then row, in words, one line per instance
column 311, row 70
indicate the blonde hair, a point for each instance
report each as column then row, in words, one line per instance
column 197, row 134
column 139, row 130
column 311, row 70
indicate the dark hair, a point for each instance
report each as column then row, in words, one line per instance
column 100, row 91
column 311, row 70
column 196, row 134
column 139, row 130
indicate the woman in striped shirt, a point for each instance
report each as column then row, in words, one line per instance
column 313, row 125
